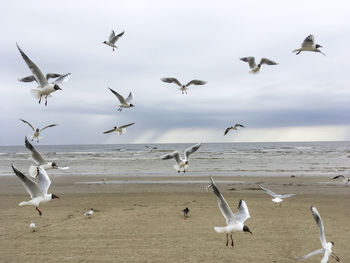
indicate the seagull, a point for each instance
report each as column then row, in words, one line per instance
column 181, row 163
column 309, row 45
column 256, row 68
column 326, row 246
column 40, row 161
column 120, row 129
column 32, row 226
column 37, row 131
column 182, row 87
column 112, row 39
column 89, row 213
column 277, row 198
column 45, row 88
column 36, row 190
column 234, row 222
column 233, row 128
column 124, row 103
column 151, row 148
column 186, row 211
column 346, row 179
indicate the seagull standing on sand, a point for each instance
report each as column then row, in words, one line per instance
column 256, row 68
column 89, row 213
column 124, row 103
column 346, row 179
column 234, row 222
column 37, row 191
column 233, row 128
column 309, row 45
column 326, row 246
column 45, row 88
column 277, row 198
column 186, row 211
column 181, row 163
column 120, row 129
column 183, row 87
column 40, row 161
column 112, row 39
column 32, row 226
column 36, row 135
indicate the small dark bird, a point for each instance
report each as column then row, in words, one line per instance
column 233, row 128
column 186, row 210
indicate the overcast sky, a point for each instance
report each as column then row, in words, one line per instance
column 306, row 97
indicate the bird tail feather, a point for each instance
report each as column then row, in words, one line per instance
column 220, row 229
column 35, row 93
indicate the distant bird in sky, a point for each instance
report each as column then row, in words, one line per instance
column 346, row 179
column 182, row 163
column 45, row 88
column 233, row 128
column 256, row 68
column 32, row 226
column 36, row 190
column 113, row 39
column 36, row 135
column 39, row 160
column 326, row 249
column 89, row 213
column 234, row 222
column 277, row 198
column 183, row 87
column 124, row 103
column 186, row 211
column 120, row 129
column 309, row 45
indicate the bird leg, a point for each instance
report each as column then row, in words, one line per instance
column 37, row 209
column 226, row 239
column 40, row 100
column 113, row 49
column 335, row 257
column 231, row 240
column 46, row 101
column 298, row 53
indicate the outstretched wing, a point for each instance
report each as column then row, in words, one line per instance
column 196, row 82
column 227, row 130
column 250, row 60
column 172, row 80
column 286, row 195
column 52, row 75
column 31, row 126
column 267, row 62
column 31, row 187
column 130, row 97
column 127, row 125
column 48, row 126
column 238, row 125
column 311, row 254
column 174, row 155
column 269, row 192
column 62, row 78
column 243, row 212
column 111, row 36
column 28, row 79
column 338, row 176
column 43, row 180
column 319, row 222
column 120, row 97
column 36, row 156
column 308, row 41
column 115, row 38
column 109, row 131
column 191, row 150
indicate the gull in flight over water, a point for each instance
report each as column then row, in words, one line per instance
column 40, row 161
column 183, row 87
column 346, row 179
column 309, row 45
column 234, row 222
column 124, row 103
column 36, row 190
column 182, row 163
column 256, row 68
column 326, row 249
column 89, row 213
column 233, row 128
column 277, row 198
column 112, row 39
column 36, row 135
column 120, row 129
column 45, row 88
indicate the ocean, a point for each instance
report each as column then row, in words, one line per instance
column 216, row 159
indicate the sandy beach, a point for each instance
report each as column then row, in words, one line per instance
column 143, row 222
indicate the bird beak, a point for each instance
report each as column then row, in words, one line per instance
column 55, row 196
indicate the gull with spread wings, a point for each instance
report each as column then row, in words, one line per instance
column 235, row 127
column 124, row 103
column 120, row 129
column 309, row 45
column 277, row 198
column 254, row 67
column 183, row 87
column 36, row 135
column 113, row 39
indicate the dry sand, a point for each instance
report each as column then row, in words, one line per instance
column 144, row 223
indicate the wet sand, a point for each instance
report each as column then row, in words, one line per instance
column 144, row 222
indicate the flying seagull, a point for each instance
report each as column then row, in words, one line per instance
column 37, row 191
column 112, row 39
column 234, row 222
column 309, row 45
column 124, row 103
column 233, row 128
column 40, row 161
column 45, row 88
column 151, row 148
column 89, row 213
column 256, row 68
column 183, row 87
column 182, row 163
column 120, row 129
column 277, row 198
column 346, row 179
column 326, row 246
column 36, row 135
